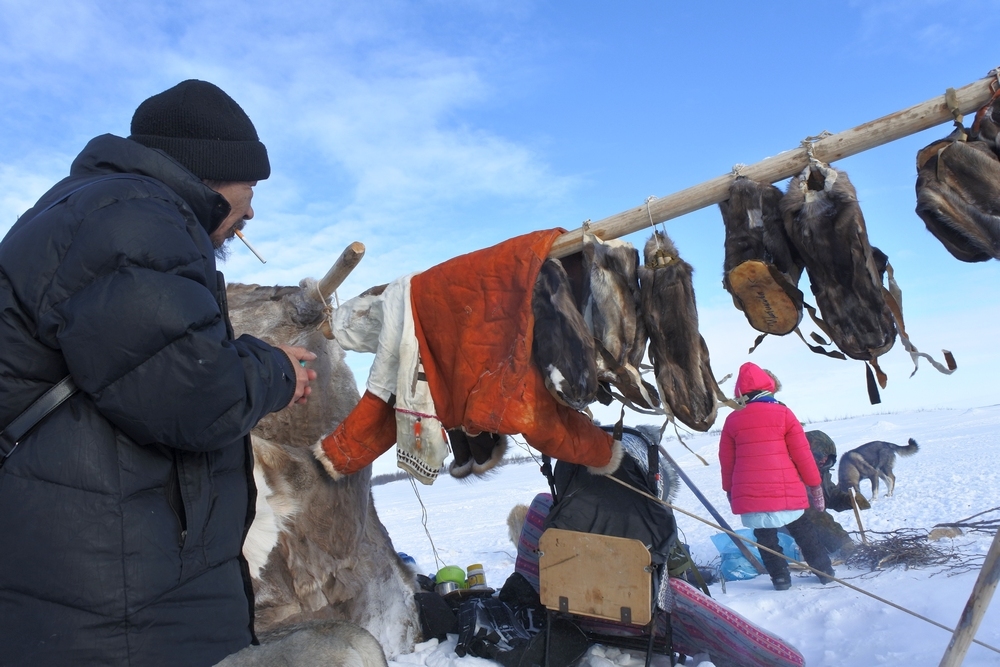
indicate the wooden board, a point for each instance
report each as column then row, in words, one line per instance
column 595, row 575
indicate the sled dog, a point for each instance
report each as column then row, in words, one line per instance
column 871, row 461
column 327, row 642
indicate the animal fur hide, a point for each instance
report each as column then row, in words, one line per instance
column 563, row 347
column 318, row 550
column 958, row 194
column 678, row 352
column 754, row 228
column 611, row 310
column 824, row 222
column 761, row 269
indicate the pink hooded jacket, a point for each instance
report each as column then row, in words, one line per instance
column 765, row 456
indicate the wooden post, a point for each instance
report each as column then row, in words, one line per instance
column 834, row 147
column 972, row 615
column 857, row 515
column 335, row 276
column 757, row 565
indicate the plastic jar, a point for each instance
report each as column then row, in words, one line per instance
column 476, row 576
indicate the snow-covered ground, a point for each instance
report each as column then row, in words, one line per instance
column 953, row 476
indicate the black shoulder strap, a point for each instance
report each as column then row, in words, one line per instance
column 11, row 436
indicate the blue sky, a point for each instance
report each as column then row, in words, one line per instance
column 430, row 129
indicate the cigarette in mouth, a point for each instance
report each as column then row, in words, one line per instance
column 252, row 249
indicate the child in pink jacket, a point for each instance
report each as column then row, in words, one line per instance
column 770, row 475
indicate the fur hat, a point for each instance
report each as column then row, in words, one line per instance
column 204, row 129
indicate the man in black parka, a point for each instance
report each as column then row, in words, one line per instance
column 123, row 512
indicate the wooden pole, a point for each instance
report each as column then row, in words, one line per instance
column 833, row 147
column 857, row 515
column 975, row 608
column 757, row 565
column 341, row 268
column 335, row 276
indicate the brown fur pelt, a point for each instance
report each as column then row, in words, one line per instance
column 562, row 347
column 475, row 454
column 958, row 195
column 611, row 309
column 754, row 228
column 824, row 222
column 317, row 549
column 678, row 352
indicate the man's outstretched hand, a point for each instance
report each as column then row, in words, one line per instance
column 303, row 375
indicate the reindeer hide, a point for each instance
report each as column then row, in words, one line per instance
column 958, row 197
column 563, row 347
column 754, row 229
column 611, row 310
column 824, row 221
column 316, row 548
column 761, row 269
column 678, row 352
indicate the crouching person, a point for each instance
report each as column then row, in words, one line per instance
column 123, row 510
column 767, row 466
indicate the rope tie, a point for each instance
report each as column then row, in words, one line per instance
column 423, row 521
column 327, row 308
column 809, row 142
column 738, row 170
column 791, row 560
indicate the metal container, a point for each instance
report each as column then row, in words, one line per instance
column 446, row 587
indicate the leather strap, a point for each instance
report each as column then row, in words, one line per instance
column 36, row 412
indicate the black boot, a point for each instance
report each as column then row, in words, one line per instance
column 776, row 565
column 804, row 533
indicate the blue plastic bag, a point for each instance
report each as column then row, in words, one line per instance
column 735, row 566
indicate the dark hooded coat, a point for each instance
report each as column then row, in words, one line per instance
column 124, row 511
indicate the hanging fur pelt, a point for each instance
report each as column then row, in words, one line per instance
column 678, row 352
column 824, row 222
column 958, row 190
column 761, row 269
column 563, row 347
column 611, row 311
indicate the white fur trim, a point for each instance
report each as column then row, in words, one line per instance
column 321, row 456
column 616, row 459
column 496, row 456
column 462, row 471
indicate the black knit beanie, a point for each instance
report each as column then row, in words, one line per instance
column 204, row 129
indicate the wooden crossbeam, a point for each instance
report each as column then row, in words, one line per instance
column 770, row 170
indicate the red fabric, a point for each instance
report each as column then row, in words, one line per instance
column 367, row 433
column 764, row 454
column 473, row 320
column 474, row 324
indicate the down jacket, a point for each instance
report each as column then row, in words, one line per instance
column 124, row 511
column 764, row 454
